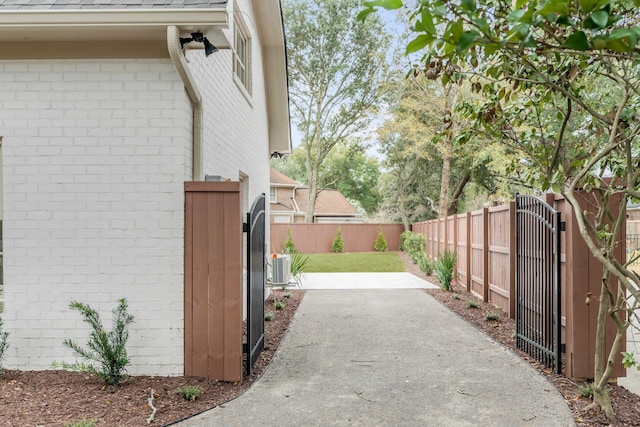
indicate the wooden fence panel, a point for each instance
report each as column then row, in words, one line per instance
column 213, row 281
column 452, row 233
column 479, row 260
column 463, row 249
column 501, row 262
column 318, row 238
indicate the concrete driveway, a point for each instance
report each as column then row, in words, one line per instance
column 390, row 357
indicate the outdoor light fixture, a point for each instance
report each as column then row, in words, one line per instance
column 277, row 155
column 199, row 38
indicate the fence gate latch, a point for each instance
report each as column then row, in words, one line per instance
column 245, row 227
column 563, row 226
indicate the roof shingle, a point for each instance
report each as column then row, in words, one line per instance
column 109, row 4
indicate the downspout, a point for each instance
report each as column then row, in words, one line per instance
column 180, row 62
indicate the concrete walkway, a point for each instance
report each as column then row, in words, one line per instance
column 390, row 358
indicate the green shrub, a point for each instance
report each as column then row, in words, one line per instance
column 279, row 305
column 586, row 390
column 82, row 423
column 455, row 297
column 4, row 344
column 472, row 304
column 106, row 351
column 414, row 246
column 491, row 317
column 190, row 392
column 268, row 316
column 426, row 263
column 338, row 245
column 444, row 269
column 380, row 244
column 289, row 245
column 403, row 238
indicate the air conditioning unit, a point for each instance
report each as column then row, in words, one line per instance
column 281, row 270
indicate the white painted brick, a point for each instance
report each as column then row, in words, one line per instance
column 105, row 219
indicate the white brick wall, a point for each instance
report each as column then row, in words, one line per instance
column 95, row 155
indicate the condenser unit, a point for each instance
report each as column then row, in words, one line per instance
column 281, row 270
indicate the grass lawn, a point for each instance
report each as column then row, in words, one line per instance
column 354, row 262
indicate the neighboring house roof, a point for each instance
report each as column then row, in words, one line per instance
column 278, row 179
column 328, row 203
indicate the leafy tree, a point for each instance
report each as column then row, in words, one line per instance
column 380, row 245
column 560, row 81
column 335, row 67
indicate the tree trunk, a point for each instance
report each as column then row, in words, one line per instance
column 403, row 212
column 444, row 183
column 455, row 197
column 313, row 193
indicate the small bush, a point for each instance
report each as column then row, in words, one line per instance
column 444, row 269
column 190, row 392
column 268, row 317
column 426, row 264
column 491, row 317
column 380, row 245
column 414, row 245
column 82, row 423
column 586, row 390
column 287, row 295
column 472, row 304
column 279, row 305
column 107, row 350
column 403, row 238
column 289, row 245
column 4, row 345
column 455, row 297
column 338, row 245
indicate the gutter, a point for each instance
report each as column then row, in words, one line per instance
column 180, row 62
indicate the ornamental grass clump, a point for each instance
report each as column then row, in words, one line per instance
column 444, row 269
column 106, row 352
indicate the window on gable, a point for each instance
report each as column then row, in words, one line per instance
column 242, row 54
column 272, row 195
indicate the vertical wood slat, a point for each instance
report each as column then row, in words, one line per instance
column 213, row 280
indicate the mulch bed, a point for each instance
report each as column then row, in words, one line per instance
column 38, row 398
column 625, row 403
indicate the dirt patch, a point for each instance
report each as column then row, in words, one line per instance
column 56, row 398
column 625, row 403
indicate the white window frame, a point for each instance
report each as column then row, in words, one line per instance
column 242, row 73
column 273, row 197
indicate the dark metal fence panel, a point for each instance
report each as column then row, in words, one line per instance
column 256, row 281
column 538, row 290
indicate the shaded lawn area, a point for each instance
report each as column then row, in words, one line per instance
column 374, row 262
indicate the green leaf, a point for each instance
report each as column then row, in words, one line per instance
column 554, row 7
column 466, row 41
column 363, row 14
column 516, row 15
column 419, row 43
column 599, row 42
column 520, row 3
column 577, row 41
column 456, row 31
column 391, row 4
column 600, row 18
column 440, row 11
column 622, row 40
column 445, row 79
column 470, row 5
column 587, row 5
column 427, row 22
column 490, row 49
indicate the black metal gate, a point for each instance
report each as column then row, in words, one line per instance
column 256, row 281
column 538, row 299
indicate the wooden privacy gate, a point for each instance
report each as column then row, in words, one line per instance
column 538, row 290
column 213, row 281
column 256, row 281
